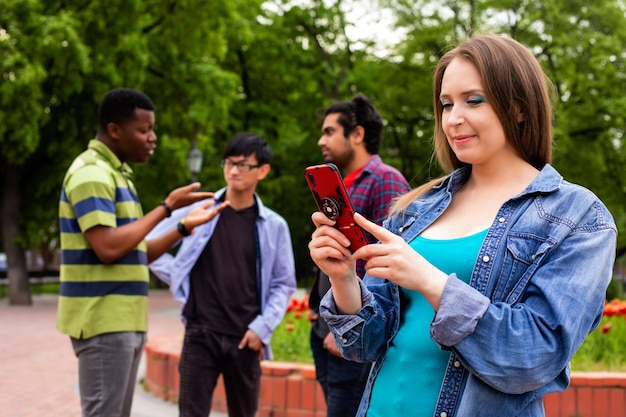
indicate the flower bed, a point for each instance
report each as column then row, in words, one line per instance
column 603, row 350
column 290, row 389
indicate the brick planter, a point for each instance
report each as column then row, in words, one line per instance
column 290, row 390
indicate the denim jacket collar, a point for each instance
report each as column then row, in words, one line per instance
column 548, row 180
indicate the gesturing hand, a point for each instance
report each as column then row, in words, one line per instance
column 202, row 214
column 188, row 194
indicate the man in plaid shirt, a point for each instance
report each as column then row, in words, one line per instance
column 351, row 138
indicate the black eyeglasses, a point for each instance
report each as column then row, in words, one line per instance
column 241, row 166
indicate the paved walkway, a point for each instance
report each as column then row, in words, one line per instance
column 38, row 369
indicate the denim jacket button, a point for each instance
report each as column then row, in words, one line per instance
column 486, row 258
column 501, row 219
column 457, row 364
column 444, row 414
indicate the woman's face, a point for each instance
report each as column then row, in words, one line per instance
column 469, row 121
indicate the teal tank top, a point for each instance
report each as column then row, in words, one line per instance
column 410, row 377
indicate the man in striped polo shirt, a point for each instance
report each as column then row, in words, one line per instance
column 103, row 303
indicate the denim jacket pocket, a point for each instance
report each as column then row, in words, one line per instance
column 524, row 253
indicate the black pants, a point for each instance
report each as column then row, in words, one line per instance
column 342, row 381
column 205, row 356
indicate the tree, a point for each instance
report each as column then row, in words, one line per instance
column 580, row 46
column 270, row 67
column 298, row 60
column 60, row 58
column 40, row 52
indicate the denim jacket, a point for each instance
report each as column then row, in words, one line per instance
column 275, row 264
column 536, row 290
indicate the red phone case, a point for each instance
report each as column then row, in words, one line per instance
column 332, row 199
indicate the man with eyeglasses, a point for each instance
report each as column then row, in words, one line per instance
column 234, row 277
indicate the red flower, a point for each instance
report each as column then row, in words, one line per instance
column 298, row 304
column 290, row 327
column 614, row 308
column 605, row 328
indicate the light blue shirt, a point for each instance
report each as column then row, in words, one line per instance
column 276, row 265
column 536, row 291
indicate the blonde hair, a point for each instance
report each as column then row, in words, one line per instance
column 514, row 84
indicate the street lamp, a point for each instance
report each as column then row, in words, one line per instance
column 194, row 161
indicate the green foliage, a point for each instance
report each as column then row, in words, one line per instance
column 217, row 68
column 38, row 49
column 580, row 46
column 615, row 289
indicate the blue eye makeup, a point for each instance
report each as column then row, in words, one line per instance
column 475, row 99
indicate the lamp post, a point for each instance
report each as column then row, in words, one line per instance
column 194, row 161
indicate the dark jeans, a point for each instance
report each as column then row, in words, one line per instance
column 205, row 356
column 342, row 381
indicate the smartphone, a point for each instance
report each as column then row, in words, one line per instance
column 332, row 199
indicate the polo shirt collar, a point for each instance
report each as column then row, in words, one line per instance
column 107, row 154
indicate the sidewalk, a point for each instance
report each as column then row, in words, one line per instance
column 38, row 369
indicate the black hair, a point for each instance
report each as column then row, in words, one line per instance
column 360, row 112
column 247, row 144
column 118, row 106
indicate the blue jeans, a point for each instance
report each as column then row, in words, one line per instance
column 342, row 381
column 107, row 372
column 205, row 356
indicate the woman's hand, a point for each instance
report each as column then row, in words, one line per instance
column 329, row 249
column 395, row 260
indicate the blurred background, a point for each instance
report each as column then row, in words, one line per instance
column 214, row 68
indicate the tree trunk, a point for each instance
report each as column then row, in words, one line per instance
column 19, row 288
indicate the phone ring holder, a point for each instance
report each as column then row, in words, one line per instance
column 330, row 208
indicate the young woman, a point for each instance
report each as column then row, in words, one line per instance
column 486, row 281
